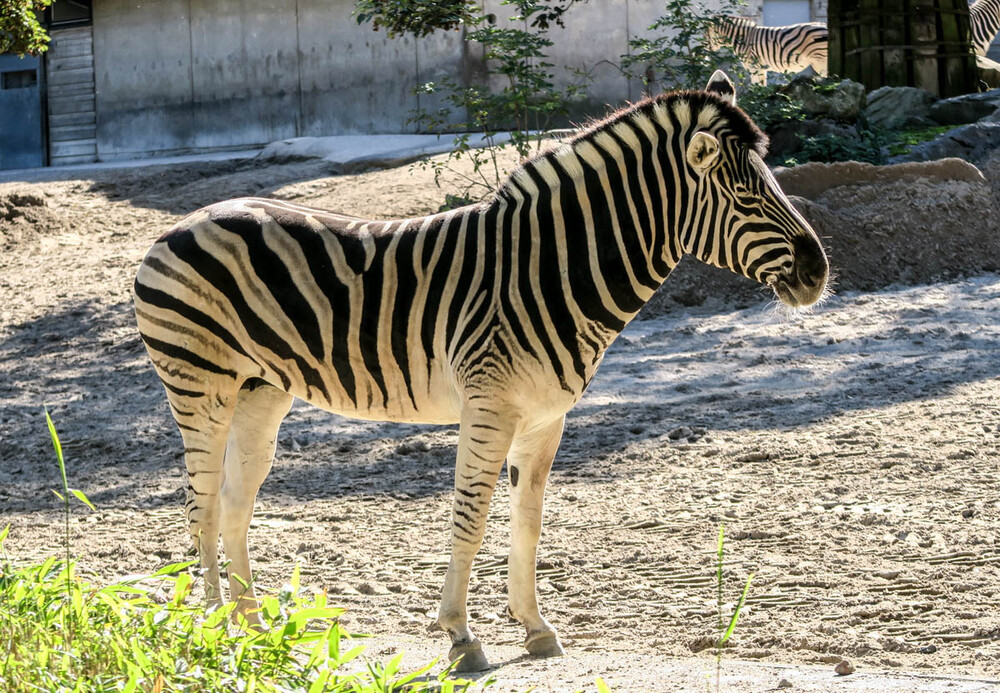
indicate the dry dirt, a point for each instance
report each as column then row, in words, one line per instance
column 851, row 452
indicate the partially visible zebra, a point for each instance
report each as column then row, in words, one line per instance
column 495, row 316
column 985, row 18
column 790, row 48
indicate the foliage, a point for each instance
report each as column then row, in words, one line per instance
column 148, row 634
column 680, row 55
column 828, row 148
column 514, row 114
column 904, row 140
column 416, row 17
column 58, row 632
column 769, row 106
column 20, row 30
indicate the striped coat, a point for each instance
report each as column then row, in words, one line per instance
column 494, row 316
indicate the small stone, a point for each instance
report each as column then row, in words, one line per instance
column 785, row 683
column 968, row 512
column 680, row 432
column 844, row 668
column 928, row 649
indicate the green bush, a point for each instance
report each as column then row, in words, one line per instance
column 149, row 634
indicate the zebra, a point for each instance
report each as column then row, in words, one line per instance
column 494, row 316
column 984, row 16
column 790, row 48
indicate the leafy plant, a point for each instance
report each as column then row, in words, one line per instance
column 416, row 17
column 20, row 30
column 680, row 55
column 725, row 631
column 515, row 114
column 59, row 632
column 64, row 497
column 516, row 98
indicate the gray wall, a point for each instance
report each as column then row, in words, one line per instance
column 175, row 76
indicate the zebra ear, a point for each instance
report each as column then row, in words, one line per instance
column 702, row 151
column 723, row 86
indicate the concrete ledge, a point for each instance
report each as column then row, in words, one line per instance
column 354, row 152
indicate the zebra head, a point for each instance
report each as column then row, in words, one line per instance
column 747, row 224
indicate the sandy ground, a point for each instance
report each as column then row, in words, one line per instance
column 851, row 453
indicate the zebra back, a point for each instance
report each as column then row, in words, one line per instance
column 984, row 16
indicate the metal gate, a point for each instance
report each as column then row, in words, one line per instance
column 21, row 141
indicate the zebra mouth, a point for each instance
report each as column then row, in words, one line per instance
column 804, row 282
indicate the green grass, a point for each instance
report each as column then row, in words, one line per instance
column 904, row 140
column 60, row 632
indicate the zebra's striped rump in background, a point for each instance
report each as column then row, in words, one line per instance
column 790, row 48
column 984, row 16
column 495, row 316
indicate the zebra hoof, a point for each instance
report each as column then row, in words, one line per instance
column 469, row 656
column 544, row 644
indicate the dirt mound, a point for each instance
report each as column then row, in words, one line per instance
column 25, row 214
column 908, row 223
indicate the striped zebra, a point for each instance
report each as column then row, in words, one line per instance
column 985, row 18
column 790, row 48
column 494, row 316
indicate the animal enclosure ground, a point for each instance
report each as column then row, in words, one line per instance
column 851, row 453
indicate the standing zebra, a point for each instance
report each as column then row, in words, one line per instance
column 985, row 18
column 495, row 316
column 790, row 48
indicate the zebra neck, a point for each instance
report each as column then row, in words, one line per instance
column 985, row 15
column 596, row 217
column 736, row 29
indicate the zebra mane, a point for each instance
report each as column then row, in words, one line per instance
column 737, row 20
column 729, row 121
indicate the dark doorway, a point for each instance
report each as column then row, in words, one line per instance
column 21, row 141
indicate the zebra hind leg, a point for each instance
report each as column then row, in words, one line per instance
column 203, row 417
column 528, row 466
column 483, row 441
column 260, row 408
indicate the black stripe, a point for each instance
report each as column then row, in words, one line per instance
column 581, row 273
column 185, row 247
column 182, row 354
column 406, row 291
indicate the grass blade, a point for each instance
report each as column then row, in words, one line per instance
column 736, row 612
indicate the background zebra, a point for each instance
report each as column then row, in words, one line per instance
column 790, row 48
column 495, row 316
column 985, row 18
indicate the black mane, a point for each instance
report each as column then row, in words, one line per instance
column 731, row 121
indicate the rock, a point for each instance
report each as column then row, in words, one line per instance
column 971, row 142
column 895, row 107
column 989, row 71
column 844, row 668
column 967, row 108
column 842, row 100
column 813, row 179
column 784, row 683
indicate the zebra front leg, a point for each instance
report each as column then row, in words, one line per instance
column 528, row 466
column 483, row 441
column 253, row 436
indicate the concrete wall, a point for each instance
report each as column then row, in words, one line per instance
column 175, row 76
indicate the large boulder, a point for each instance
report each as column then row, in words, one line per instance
column 895, row 107
column 970, row 142
column 967, row 108
column 842, row 100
